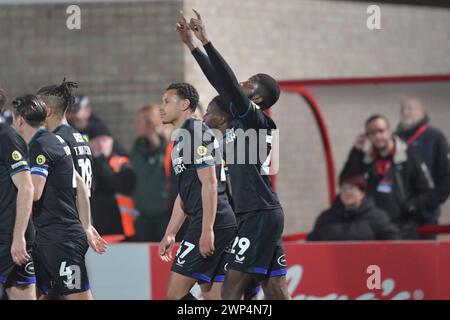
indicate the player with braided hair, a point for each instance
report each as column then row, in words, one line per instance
column 58, row 99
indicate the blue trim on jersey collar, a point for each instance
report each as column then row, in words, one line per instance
column 248, row 109
column 2, row 279
column 238, row 115
column 36, row 134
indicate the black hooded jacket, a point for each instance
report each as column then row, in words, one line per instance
column 366, row 222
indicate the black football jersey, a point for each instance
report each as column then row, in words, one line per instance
column 13, row 159
column 194, row 149
column 80, row 150
column 55, row 215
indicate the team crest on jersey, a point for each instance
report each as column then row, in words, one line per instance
column 16, row 155
column 202, row 151
column 40, row 159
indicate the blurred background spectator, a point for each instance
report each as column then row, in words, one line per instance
column 430, row 143
column 353, row 216
column 82, row 117
column 398, row 180
column 151, row 192
column 113, row 210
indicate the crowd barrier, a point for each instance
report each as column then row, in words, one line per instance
column 369, row 270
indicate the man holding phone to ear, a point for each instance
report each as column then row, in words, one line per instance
column 398, row 179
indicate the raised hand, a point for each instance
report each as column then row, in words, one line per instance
column 197, row 26
column 185, row 32
column 360, row 141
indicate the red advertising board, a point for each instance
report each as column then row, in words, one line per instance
column 370, row 270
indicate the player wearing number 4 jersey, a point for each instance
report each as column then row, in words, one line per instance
column 61, row 212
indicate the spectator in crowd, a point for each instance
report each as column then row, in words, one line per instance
column 353, row 216
column 113, row 209
column 431, row 144
column 398, row 180
column 82, row 118
column 5, row 114
column 150, row 194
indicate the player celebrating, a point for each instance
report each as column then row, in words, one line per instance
column 61, row 239
column 202, row 197
column 257, row 249
column 16, row 199
column 58, row 100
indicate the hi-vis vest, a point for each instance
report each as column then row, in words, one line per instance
column 128, row 212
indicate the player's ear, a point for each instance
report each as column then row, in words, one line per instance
column 49, row 111
column 185, row 104
column 20, row 121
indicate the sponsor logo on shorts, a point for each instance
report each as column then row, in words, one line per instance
column 282, row 260
column 29, row 268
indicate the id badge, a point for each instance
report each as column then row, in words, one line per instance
column 385, row 186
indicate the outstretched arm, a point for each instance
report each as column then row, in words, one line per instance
column 202, row 59
column 226, row 76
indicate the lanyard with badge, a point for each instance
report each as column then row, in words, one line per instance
column 383, row 166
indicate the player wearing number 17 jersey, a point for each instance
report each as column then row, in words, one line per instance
column 58, row 99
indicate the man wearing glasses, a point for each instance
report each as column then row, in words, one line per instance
column 398, row 179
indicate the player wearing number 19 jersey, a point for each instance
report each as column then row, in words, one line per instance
column 257, row 249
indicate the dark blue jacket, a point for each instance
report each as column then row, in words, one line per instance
column 433, row 148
